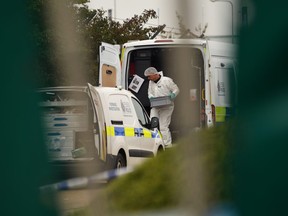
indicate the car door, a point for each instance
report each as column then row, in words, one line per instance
column 110, row 67
column 224, row 85
column 145, row 135
column 99, row 123
column 222, row 81
column 123, row 121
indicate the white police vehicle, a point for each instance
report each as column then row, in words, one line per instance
column 88, row 125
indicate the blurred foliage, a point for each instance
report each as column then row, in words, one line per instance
column 195, row 174
column 199, row 164
column 152, row 186
column 24, row 165
column 80, row 212
column 218, row 153
column 93, row 27
column 261, row 135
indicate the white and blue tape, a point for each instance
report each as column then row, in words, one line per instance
column 83, row 182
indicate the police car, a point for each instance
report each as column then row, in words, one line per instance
column 89, row 125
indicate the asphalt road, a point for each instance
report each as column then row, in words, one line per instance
column 73, row 200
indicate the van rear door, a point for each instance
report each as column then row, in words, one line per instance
column 223, row 80
column 110, row 67
column 99, row 122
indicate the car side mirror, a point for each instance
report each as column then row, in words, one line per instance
column 155, row 123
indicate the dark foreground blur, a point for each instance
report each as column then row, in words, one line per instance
column 259, row 157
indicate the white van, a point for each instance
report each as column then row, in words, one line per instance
column 87, row 125
column 204, row 70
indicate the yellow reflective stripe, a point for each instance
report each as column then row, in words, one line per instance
column 147, row 133
column 220, row 114
column 104, row 146
column 122, row 54
column 110, row 131
column 129, row 131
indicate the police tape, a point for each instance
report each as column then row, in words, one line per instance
column 83, row 182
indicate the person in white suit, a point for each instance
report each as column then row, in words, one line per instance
column 159, row 86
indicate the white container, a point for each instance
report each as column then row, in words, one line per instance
column 160, row 101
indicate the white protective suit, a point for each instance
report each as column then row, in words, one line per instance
column 164, row 87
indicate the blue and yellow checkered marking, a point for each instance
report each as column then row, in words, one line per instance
column 131, row 132
column 156, row 134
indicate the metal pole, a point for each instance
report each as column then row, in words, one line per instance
column 114, row 10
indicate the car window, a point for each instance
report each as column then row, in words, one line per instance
column 141, row 114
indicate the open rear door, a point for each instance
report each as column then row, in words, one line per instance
column 223, row 80
column 99, row 122
column 110, row 68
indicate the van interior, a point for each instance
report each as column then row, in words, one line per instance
column 70, row 115
column 185, row 65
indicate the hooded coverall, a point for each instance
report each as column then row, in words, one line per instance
column 163, row 87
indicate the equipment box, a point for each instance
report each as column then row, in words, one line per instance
column 160, row 101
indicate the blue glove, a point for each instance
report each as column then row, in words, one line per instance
column 172, row 96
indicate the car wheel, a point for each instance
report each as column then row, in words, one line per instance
column 120, row 161
column 160, row 150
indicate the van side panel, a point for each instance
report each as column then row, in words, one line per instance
column 121, row 123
